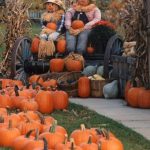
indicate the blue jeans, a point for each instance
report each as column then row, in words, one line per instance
column 81, row 40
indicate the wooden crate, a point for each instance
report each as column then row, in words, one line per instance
column 123, row 70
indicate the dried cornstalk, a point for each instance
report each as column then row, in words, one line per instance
column 133, row 18
column 15, row 17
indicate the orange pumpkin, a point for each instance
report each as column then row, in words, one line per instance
column 73, row 65
column 53, row 137
column 133, row 94
column 84, row 87
column 45, row 101
column 61, row 100
column 8, row 134
column 52, row 26
column 35, row 79
column 144, row 98
column 90, row 49
column 35, row 45
column 57, row 65
column 61, row 46
column 82, row 136
column 77, row 24
column 5, row 101
column 50, row 83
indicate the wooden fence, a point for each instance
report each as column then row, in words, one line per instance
column 35, row 15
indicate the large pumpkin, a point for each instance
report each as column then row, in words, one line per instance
column 77, row 24
column 84, row 87
column 61, row 100
column 35, row 45
column 133, row 94
column 52, row 26
column 61, row 45
column 144, row 98
column 57, row 65
column 73, row 65
column 45, row 101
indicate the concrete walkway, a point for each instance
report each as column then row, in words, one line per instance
column 136, row 119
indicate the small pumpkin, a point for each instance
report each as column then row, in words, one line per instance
column 50, row 83
column 144, row 98
column 57, row 65
column 61, row 45
column 61, row 100
column 77, row 24
column 84, row 87
column 35, row 45
column 90, row 49
column 132, row 96
column 45, row 101
column 52, row 26
column 73, row 65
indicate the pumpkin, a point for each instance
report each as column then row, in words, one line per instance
column 73, row 65
column 5, row 83
column 144, row 98
column 52, row 26
column 82, row 135
column 61, row 45
column 35, row 45
column 127, row 88
column 29, row 105
column 90, row 49
column 77, row 24
column 52, row 137
column 57, row 65
column 61, row 100
column 89, row 145
column 35, row 79
column 132, row 96
column 8, row 135
column 5, row 101
column 50, row 83
column 32, row 144
column 45, row 101
column 18, row 142
column 111, row 143
column 84, row 87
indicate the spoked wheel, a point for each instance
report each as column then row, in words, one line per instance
column 20, row 53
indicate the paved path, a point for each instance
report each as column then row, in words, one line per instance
column 136, row 119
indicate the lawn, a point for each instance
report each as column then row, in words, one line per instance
column 77, row 115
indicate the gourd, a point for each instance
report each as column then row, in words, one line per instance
column 100, row 70
column 89, row 70
column 110, row 90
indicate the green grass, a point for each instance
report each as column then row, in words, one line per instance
column 77, row 115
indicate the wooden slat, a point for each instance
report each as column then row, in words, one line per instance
column 148, row 27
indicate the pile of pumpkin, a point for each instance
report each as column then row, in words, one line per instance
column 16, row 96
column 31, row 130
column 138, row 97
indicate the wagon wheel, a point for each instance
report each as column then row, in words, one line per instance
column 114, row 47
column 20, row 53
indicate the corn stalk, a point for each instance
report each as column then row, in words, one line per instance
column 15, row 17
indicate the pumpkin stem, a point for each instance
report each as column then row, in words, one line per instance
column 82, row 127
column 53, row 127
column 72, row 144
column 37, row 134
column 45, row 144
column 28, row 133
column 100, row 132
column 99, row 146
column 42, row 119
column 1, row 85
column 66, row 139
column 1, row 119
column 90, row 139
column 10, row 124
column 106, row 133
column 16, row 89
